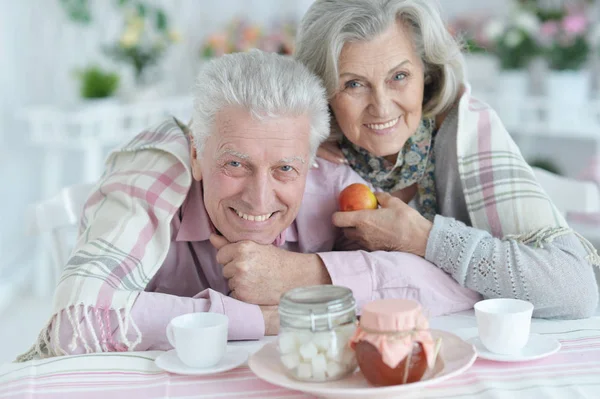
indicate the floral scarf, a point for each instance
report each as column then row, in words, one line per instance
column 415, row 164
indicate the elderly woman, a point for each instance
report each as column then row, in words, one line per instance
column 404, row 119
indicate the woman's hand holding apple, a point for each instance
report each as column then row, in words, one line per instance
column 395, row 226
column 356, row 197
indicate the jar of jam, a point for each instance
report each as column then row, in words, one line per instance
column 393, row 343
column 316, row 324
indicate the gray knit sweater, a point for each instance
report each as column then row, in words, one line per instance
column 557, row 278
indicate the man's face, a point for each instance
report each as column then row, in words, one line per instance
column 253, row 173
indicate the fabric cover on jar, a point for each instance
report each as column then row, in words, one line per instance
column 392, row 326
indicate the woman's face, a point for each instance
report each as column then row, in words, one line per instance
column 379, row 99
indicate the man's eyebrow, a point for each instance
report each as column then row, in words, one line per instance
column 227, row 151
column 292, row 159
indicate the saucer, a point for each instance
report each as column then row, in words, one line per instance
column 454, row 358
column 538, row 347
column 233, row 358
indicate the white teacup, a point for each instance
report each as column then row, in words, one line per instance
column 200, row 339
column 504, row 324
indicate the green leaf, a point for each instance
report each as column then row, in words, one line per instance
column 161, row 20
column 141, row 9
column 77, row 10
column 97, row 83
column 208, row 52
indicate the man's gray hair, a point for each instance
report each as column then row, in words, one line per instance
column 265, row 84
column 328, row 24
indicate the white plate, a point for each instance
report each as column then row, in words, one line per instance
column 233, row 358
column 538, row 346
column 456, row 356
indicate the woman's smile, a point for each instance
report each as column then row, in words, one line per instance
column 383, row 128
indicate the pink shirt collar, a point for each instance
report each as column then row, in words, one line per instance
column 197, row 226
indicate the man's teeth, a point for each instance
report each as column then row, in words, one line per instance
column 260, row 218
column 381, row 126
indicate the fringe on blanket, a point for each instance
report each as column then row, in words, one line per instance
column 85, row 333
column 548, row 234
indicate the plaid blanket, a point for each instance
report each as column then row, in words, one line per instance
column 123, row 240
column 502, row 194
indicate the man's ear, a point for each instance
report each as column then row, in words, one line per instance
column 196, row 169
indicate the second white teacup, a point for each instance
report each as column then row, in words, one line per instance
column 504, row 324
column 200, row 339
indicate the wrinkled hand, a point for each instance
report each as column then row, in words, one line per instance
column 331, row 152
column 271, row 317
column 393, row 227
column 260, row 274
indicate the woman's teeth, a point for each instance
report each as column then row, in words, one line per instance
column 381, row 126
column 259, row 218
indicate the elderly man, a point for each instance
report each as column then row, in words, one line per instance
column 224, row 219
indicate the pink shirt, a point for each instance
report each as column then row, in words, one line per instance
column 191, row 280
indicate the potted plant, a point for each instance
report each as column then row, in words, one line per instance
column 240, row 35
column 564, row 36
column 143, row 43
column 515, row 44
column 480, row 63
column 565, row 42
column 96, row 83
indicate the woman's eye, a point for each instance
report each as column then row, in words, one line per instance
column 234, row 164
column 286, row 168
column 353, row 84
column 400, row 76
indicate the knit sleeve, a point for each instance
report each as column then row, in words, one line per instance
column 556, row 278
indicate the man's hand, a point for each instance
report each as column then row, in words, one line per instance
column 271, row 317
column 259, row 274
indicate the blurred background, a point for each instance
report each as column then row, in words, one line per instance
column 78, row 77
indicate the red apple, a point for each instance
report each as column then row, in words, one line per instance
column 356, row 197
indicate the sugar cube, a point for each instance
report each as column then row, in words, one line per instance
column 322, row 340
column 334, row 369
column 318, row 376
column 303, row 337
column 304, row 370
column 308, row 351
column 290, row 360
column 319, row 363
column 334, row 353
column 288, row 343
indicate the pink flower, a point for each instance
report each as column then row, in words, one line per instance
column 574, row 24
column 549, row 29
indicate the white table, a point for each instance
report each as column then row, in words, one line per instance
column 574, row 372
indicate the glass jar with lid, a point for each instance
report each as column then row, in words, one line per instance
column 316, row 324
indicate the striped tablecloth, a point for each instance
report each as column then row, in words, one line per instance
column 574, row 372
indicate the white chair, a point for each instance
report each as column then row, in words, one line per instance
column 569, row 195
column 574, row 196
column 56, row 219
column 91, row 129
